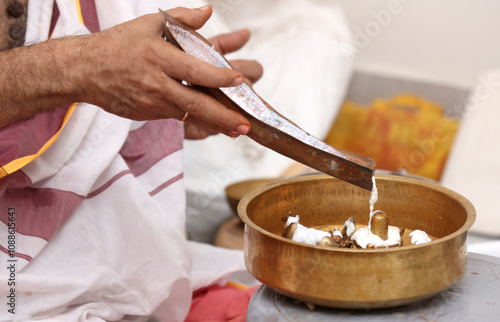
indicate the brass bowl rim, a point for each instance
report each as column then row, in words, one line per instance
column 229, row 188
column 467, row 205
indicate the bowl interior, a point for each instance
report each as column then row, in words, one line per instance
column 409, row 203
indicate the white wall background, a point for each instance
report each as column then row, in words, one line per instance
column 444, row 41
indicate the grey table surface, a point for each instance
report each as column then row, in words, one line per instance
column 476, row 297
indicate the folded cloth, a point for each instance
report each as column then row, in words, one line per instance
column 100, row 213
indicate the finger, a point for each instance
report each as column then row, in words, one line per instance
column 204, row 129
column 207, row 109
column 193, row 132
column 194, row 18
column 141, row 115
column 227, row 43
column 197, row 126
column 251, row 69
column 197, row 132
column 179, row 65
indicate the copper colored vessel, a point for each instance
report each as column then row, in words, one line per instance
column 236, row 191
column 356, row 278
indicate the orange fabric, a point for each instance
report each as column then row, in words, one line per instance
column 403, row 132
column 17, row 164
column 220, row 303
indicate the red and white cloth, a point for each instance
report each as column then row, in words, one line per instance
column 100, row 215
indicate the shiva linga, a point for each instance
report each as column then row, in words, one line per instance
column 377, row 234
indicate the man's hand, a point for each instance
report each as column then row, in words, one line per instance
column 138, row 75
column 128, row 70
column 251, row 69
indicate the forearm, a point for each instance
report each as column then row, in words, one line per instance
column 38, row 78
column 128, row 70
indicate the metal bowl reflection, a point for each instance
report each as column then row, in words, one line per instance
column 355, row 278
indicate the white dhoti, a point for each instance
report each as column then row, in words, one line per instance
column 100, row 214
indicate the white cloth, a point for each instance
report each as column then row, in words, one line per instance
column 122, row 251
column 473, row 167
column 491, row 248
column 305, row 78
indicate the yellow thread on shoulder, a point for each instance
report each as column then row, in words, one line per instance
column 17, row 164
column 79, row 11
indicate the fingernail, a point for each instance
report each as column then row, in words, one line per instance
column 233, row 134
column 238, row 81
column 207, row 7
column 243, row 129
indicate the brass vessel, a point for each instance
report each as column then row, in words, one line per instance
column 236, row 191
column 356, row 278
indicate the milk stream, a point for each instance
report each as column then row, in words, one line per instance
column 364, row 236
column 373, row 200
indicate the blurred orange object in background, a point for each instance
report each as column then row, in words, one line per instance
column 405, row 132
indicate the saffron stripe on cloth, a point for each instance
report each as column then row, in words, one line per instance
column 107, row 184
column 16, row 254
column 27, row 246
column 39, row 212
column 88, row 15
column 58, row 204
column 170, row 167
column 151, row 143
column 166, row 184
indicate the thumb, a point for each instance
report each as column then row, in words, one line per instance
column 194, row 18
